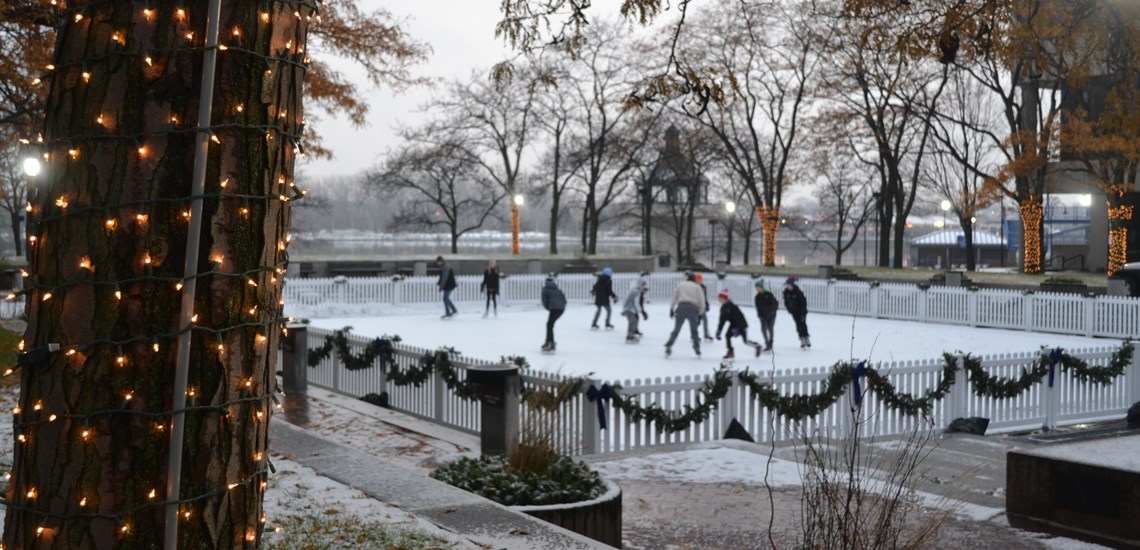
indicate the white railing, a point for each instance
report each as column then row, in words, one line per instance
column 575, row 427
column 1104, row 316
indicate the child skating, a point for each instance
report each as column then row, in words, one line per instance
column 766, row 306
column 631, row 309
column 554, row 301
column 731, row 315
column 796, row 304
column 603, row 292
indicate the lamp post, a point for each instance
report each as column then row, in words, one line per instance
column 712, row 227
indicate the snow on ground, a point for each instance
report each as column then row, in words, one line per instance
column 520, row 330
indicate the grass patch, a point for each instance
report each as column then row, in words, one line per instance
column 330, row 532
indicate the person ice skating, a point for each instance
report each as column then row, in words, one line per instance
column 632, row 309
column 603, row 292
column 554, row 301
column 491, row 287
column 700, row 280
column 731, row 315
column 688, row 303
column 446, row 284
column 766, row 306
column 643, row 280
column 796, row 304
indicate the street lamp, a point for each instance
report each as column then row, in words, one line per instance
column 1085, row 200
column 520, row 199
column 32, row 167
column 730, row 207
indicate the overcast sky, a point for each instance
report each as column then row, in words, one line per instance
column 462, row 36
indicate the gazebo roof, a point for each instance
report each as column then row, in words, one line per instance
column 950, row 237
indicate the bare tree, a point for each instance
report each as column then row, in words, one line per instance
column 612, row 134
column 556, row 109
column 443, row 187
column 765, row 54
column 679, row 185
column 845, row 202
column 13, row 191
column 882, row 104
column 962, row 154
column 492, row 122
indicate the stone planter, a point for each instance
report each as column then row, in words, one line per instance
column 599, row 519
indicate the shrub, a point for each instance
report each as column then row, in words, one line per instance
column 565, row 480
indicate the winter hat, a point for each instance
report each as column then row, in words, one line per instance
column 550, row 277
column 723, row 294
column 790, row 281
column 643, row 281
column 698, row 277
column 688, row 275
column 607, row 272
column 759, row 283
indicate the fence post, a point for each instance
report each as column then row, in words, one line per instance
column 874, row 292
column 958, row 400
column 923, row 294
column 341, row 283
column 727, row 408
column 295, row 358
column 1028, row 312
column 440, row 392
column 972, row 307
column 336, row 368
column 832, row 297
column 1090, row 315
column 397, row 291
column 1134, row 380
column 591, row 434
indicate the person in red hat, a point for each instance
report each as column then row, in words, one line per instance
column 737, row 325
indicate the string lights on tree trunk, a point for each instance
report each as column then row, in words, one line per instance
column 108, row 230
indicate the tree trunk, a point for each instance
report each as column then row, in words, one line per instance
column 17, row 235
column 1032, row 216
column 94, row 416
column 454, row 239
column 900, row 242
column 968, row 232
column 769, row 225
column 516, row 225
column 556, row 199
column 885, row 218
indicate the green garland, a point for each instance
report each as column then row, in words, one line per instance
column 798, row 407
column 516, row 360
column 382, row 348
column 1081, row 370
column 440, row 360
column 907, row 403
column 998, row 387
column 671, row 421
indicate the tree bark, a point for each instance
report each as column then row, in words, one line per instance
column 110, row 225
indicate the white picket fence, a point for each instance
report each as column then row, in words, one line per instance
column 1104, row 316
column 576, row 428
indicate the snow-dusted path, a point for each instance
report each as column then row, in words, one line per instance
column 520, row 331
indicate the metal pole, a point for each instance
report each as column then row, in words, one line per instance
column 197, row 188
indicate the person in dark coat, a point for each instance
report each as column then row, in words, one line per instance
column 603, row 292
column 796, row 304
column 491, row 287
column 766, row 306
column 731, row 315
column 446, row 285
column 554, row 301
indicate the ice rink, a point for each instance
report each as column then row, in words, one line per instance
column 521, row 330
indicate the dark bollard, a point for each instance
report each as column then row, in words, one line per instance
column 499, row 412
column 295, row 358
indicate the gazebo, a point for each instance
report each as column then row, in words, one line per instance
column 947, row 247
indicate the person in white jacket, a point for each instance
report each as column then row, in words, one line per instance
column 688, row 303
column 631, row 309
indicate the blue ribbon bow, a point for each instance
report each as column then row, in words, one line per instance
column 860, row 371
column 600, row 396
column 1055, row 357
